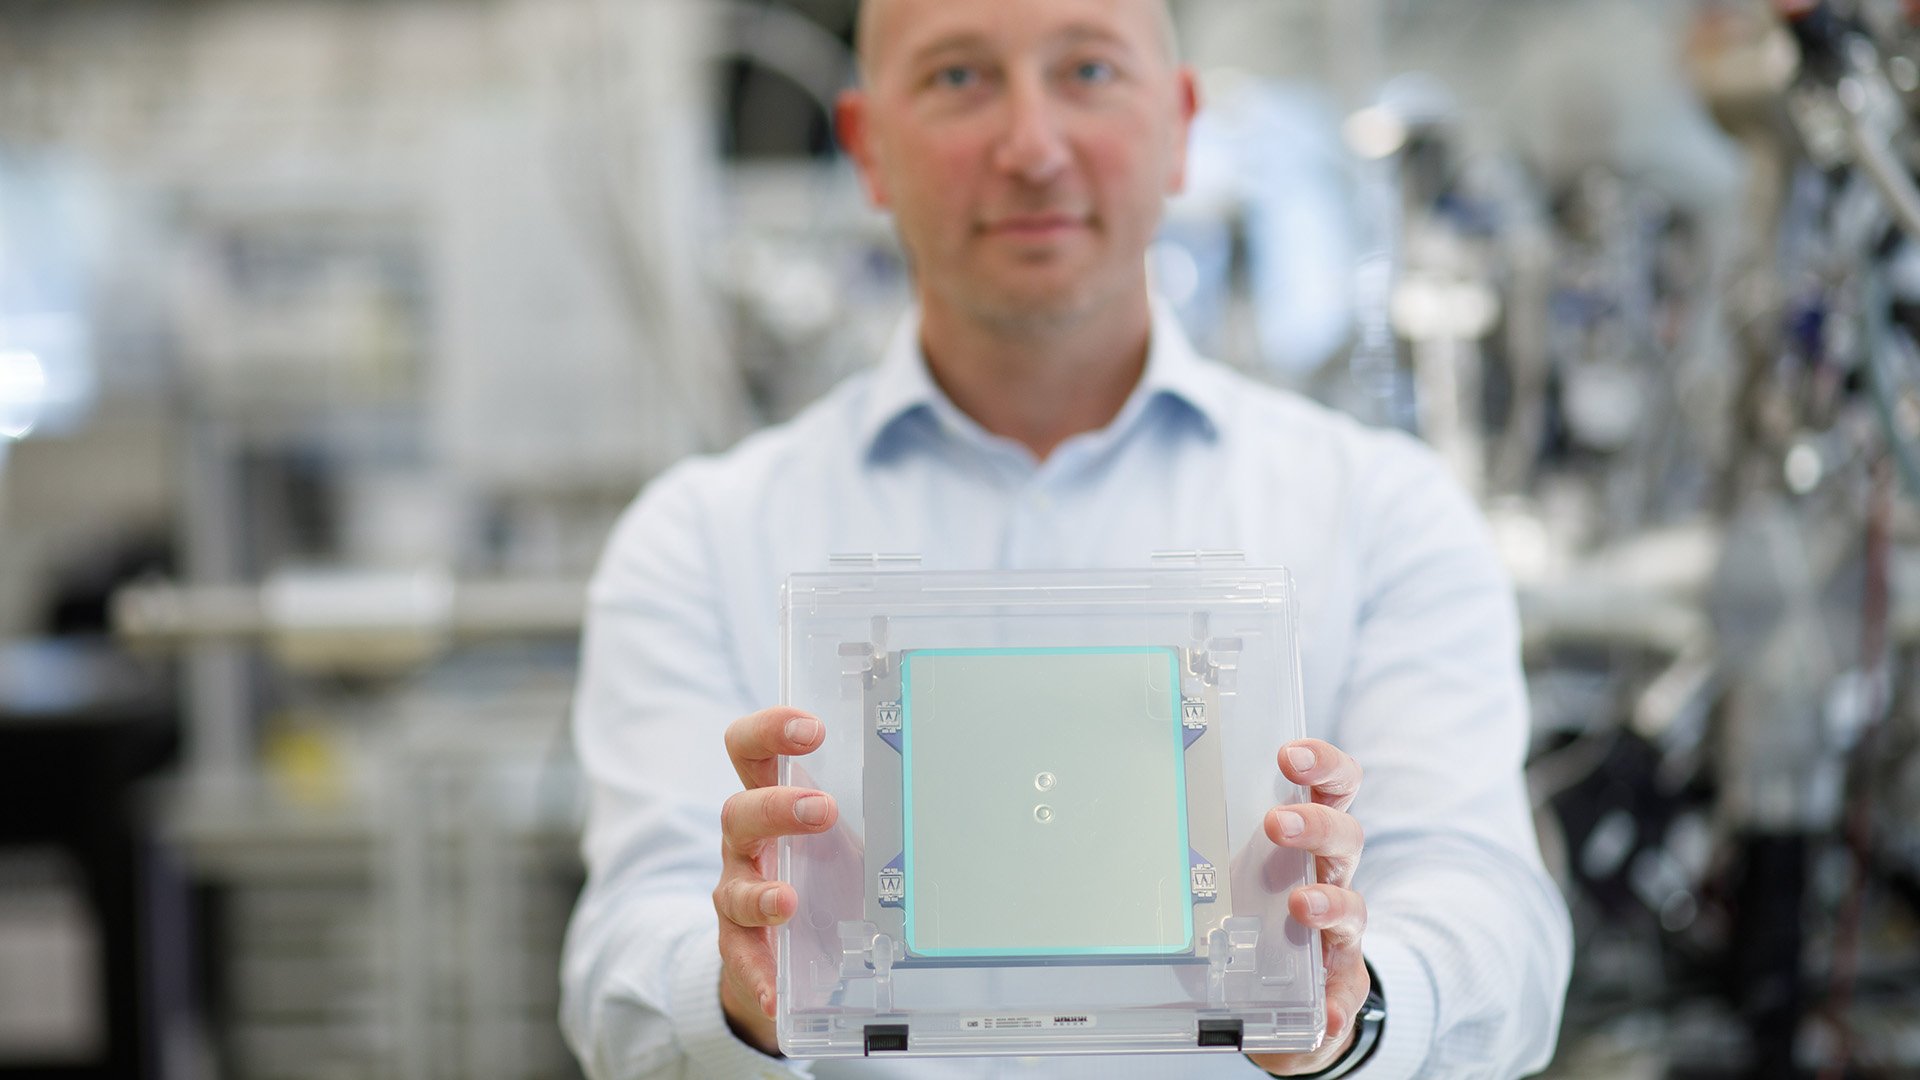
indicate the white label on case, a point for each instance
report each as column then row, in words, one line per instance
column 1017, row 1023
column 1203, row 885
column 1193, row 714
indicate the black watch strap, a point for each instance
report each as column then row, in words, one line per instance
column 1370, row 1026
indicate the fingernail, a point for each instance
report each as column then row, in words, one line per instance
column 766, row 1003
column 1301, row 757
column 811, row 810
column 803, row 730
column 770, row 902
column 1316, row 903
column 1291, row 824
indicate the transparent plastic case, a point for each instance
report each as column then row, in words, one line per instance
column 1047, row 844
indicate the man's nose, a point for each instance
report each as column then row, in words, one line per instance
column 1031, row 147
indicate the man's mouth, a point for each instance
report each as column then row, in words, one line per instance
column 1035, row 226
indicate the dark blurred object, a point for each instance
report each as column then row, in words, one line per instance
column 87, row 923
column 784, row 61
column 83, row 601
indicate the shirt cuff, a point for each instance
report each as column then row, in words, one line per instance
column 700, row 1022
column 1408, row 989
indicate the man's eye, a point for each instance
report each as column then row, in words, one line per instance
column 1093, row 71
column 956, row 78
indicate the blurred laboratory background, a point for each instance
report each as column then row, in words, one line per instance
column 334, row 335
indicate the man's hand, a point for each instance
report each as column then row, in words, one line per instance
column 1324, row 828
column 748, row 902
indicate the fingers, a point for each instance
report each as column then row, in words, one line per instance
column 750, row 818
column 1347, row 986
column 1339, row 914
column 1332, row 836
column 1341, row 917
column 757, row 740
column 746, row 902
column 1323, row 769
column 1326, row 832
column 747, row 965
column 747, row 899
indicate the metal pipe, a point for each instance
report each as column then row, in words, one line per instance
column 333, row 605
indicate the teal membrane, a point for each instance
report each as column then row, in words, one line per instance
column 1044, row 803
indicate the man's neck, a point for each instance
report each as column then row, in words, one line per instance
column 1039, row 385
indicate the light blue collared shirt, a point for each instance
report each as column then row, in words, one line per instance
column 1410, row 656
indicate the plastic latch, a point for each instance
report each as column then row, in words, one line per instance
column 892, row 1038
column 1224, row 1033
column 1200, row 558
column 872, row 560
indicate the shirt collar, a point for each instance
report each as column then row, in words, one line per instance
column 903, row 387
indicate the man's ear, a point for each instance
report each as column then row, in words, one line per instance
column 850, row 115
column 1187, row 86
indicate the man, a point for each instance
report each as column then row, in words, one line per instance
column 1040, row 411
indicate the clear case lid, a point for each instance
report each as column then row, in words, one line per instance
column 1041, row 845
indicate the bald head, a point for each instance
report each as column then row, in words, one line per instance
column 868, row 37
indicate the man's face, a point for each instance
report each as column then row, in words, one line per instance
column 1025, row 147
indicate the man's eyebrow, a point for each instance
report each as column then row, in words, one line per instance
column 951, row 43
column 1072, row 34
column 1080, row 33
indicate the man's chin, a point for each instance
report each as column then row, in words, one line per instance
column 1037, row 307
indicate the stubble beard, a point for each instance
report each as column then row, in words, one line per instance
column 1006, row 311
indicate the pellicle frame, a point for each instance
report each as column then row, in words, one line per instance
column 1174, row 883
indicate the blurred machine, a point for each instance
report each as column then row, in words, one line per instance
column 1710, row 537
